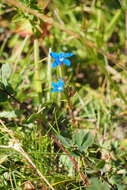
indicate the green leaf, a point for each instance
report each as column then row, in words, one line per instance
column 4, row 91
column 98, row 185
column 34, row 117
column 100, row 164
column 121, row 187
column 87, row 141
column 75, row 153
column 83, row 140
column 112, row 24
column 64, row 141
column 5, row 71
column 3, row 96
column 78, row 137
column 67, row 163
column 7, row 114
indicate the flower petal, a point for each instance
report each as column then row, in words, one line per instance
column 55, row 85
column 68, row 54
column 61, row 54
column 55, row 90
column 54, row 64
column 54, row 55
column 60, row 83
column 67, row 62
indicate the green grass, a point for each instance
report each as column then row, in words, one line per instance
column 76, row 139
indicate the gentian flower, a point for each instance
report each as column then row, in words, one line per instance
column 57, row 86
column 60, row 58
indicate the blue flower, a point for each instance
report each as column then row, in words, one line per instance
column 57, row 86
column 60, row 58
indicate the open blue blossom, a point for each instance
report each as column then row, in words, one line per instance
column 57, row 86
column 60, row 58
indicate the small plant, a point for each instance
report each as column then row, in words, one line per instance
column 63, row 108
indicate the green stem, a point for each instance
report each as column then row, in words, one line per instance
column 37, row 79
column 49, row 75
column 70, row 108
column 16, row 56
column 59, row 76
column 112, row 24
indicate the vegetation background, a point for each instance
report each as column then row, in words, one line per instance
column 76, row 139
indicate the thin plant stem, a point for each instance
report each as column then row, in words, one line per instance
column 15, row 58
column 60, row 72
column 59, row 76
column 70, row 108
column 49, row 75
column 37, row 79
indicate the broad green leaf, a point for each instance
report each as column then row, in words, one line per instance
column 100, row 164
column 83, row 140
column 75, row 153
column 78, row 137
column 87, row 141
column 98, row 185
column 5, row 90
column 67, row 163
column 64, row 141
column 121, row 187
